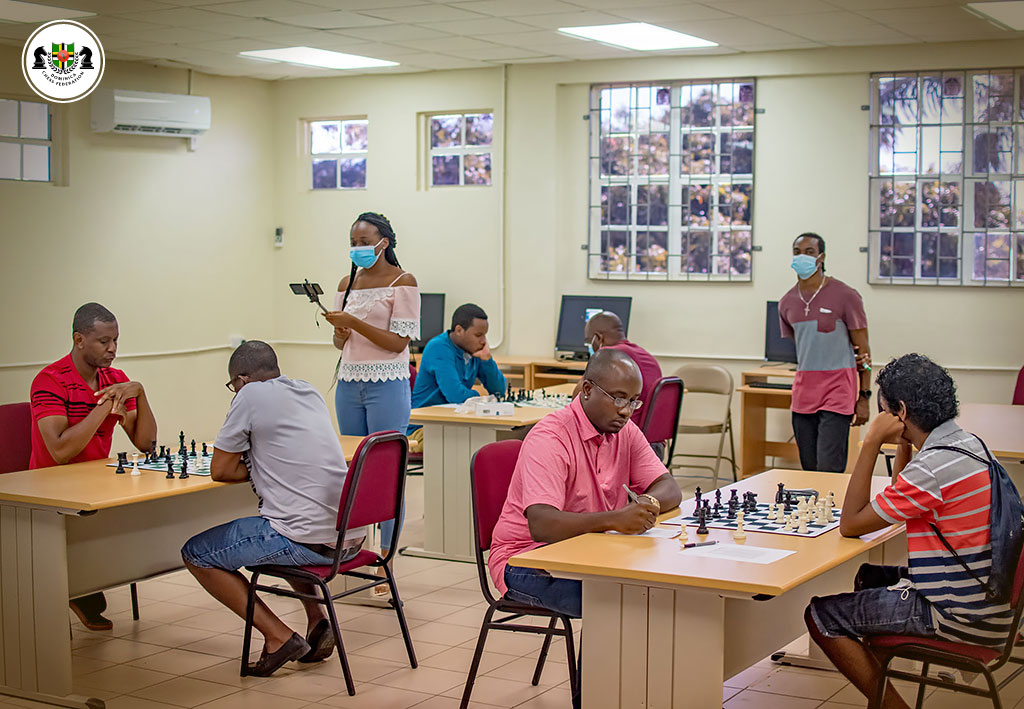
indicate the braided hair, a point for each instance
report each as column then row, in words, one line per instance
column 383, row 227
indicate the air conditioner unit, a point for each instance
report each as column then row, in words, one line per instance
column 146, row 113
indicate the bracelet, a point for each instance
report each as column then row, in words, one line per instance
column 654, row 500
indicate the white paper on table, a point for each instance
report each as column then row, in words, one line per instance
column 735, row 552
column 656, row 532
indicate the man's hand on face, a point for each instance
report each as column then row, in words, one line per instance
column 484, row 353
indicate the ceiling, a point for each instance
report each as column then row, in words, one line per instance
column 425, row 35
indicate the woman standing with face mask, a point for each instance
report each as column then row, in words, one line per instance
column 832, row 386
column 377, row 312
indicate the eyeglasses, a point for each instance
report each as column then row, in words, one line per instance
column 231, row 385
column 619, row 403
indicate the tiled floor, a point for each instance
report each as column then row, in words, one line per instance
column 184, row 653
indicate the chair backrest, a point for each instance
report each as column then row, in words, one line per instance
column 662, row 417
column 15, row 437
column 375, row 485
column 490, row 474
column 412, row 375
column 706, row 379
column 1018, row 392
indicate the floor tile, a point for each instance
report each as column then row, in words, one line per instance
column 556, row 698
column 507, row 643
column 851, row 695
column 424, row 610
column 185, row 691
column 226, row 673
column 217, row 620
column 470, row 617
column 521, row 670
column 377, row 697
column 820, row 685
column 500, row 692
column 310, row 686
column 453, row 597
column 458, row 659
column 127, row 702
column 177, row 662
column 380, row 623
column 228, row 645
column 119, row 650
column 84, row 665
column 122, row 678
column 749, row 676
column 394, row 649
column 253, row 699
column 429, row 680
column 364, row 669
column 171, row 635
column 749, row 699
column 442, row 633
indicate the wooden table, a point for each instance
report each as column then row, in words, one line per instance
column 754, row 404
column 75, row 529
column 449, row 442
column 664, row 629
column 539, row 372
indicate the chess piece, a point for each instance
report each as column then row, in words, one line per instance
column 716, row 511
column 122, row 458
column 696, row 496
column 734, row 497
column 193, row 451
column 161, row 452
column 731, row 512
column 739, row 535
column 753, row 502
column 772, row 511
column 184, row 470
column 205, row 451
column 718, row 497
column 170, row 471
column 831, row 499
column 135, row 464
column 683, row 539
column 788, row 525
column 829, row 515
column 701, row 521
column 802, row 529
column 780, row 495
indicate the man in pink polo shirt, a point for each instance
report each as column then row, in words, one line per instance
column 568, row 481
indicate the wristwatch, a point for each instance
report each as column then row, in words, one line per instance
column 654, row 500
column 865, row 393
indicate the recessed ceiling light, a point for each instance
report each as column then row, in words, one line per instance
column 308, row 56
column 14, row 11
column 1008, row 14
column 638, row 35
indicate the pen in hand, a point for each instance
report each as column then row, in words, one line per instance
column 632, row 495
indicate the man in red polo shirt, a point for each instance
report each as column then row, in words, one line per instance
column 76, row 403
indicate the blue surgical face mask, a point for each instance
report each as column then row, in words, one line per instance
column 590, row 349
column 805, row 266
column 363, row 256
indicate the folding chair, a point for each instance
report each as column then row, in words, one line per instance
column 373, row 492
column 490, row 474
column 709, row 379
column 661, row 419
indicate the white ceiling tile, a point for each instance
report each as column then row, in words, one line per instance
column 177, row 17
column 779, row 46
column 335, row 20
column 428, row 60
column 495, row 53
column 175, row 35
column 665, row 13
column 399, row 33
column 857, row 5
column 513, row 8
column 950, row 16
column 531, row 40
column 107, row 25
column 624, row 5
column 106, row 7
column 261, row 8
column 483, row 26
column 443, row 44
column 570, row 19
column 747, row 8
column 832, row 26
column 734, row 32
column 950, row 33
column 363, row 4
column 422, row 13
column 247, row 27
column 548, row 59
column 235, row 45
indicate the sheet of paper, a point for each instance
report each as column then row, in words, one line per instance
column 736, row 552
column 657, row 532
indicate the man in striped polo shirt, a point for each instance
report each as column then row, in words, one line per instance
column 935, row 596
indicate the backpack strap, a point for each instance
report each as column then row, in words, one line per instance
column 989, row 593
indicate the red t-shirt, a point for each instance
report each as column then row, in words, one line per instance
column 59, row 390
column 650, row 370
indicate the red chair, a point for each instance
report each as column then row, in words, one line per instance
column 415, row 466
column 945, row 653
column 373, row 492
column 661, row 422
column 1018, row 392
column 490, row 474
column 15, row 437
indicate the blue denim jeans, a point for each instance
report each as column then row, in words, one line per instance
column 250, row 541
column 367, row 407
column 540, row 589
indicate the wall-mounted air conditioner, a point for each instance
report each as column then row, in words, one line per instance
column 146, row 113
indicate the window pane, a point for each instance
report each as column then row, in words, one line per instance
column 1020, row 257
column 654, row 113
column 952, row 144
column 353, row 173
column 739, row 197
column 614, row 251
column 698, row 251
column 697, row 205
column 993, row 96
column 1018, row 200
column 445, row 169
column 615, row 204
column 992, row 205
column 653, row 154
column 939, row 255
column 10, row 161
column 993, row 149
column 940, row 206
column 615, row 156
column 9, row 118
column 615, row 119
column 479, row 128
column 991, row 256
column 325, row 137
column 445, row 132
column 738, row 153
column 897, row 204
column 477, row 169
column 698, row 105
column 953, row 98
column 698, row 154
column 652, row 251
column 354, row 136
column 35, row 121
column 740, row 261
column 325, row 174
column 897, row 254
column 652, row 205
column 35, row 162
column 737, row 104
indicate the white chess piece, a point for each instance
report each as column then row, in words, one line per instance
column 831, row 499
column 788, row 526
column 135, row 464
column 683, row 539
column 802, row 529
column 829, row 515
column 739, row 534
column 772, row 511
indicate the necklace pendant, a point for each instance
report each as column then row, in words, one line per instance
column 807, row 310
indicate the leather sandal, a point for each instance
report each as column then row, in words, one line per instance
column 96, row 622
column 321, row 642
column 269, row 663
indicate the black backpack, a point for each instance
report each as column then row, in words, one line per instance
column 1006, row 519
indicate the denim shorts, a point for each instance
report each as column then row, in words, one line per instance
column 533, row 587
column 882, row 603
column 250, row 541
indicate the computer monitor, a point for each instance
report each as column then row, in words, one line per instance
column 776, row 347
column 572, row 319
column 432, row 321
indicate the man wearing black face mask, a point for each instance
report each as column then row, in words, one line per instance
column 826, row 318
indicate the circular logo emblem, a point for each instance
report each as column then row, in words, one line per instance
column 63, row 61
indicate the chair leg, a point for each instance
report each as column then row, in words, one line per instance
column 474, row 666
column 543, row 652
column 250, row 609
column 342, row 657
column 570, row 651
column 997, row 703
column 732, row 451
column 921, row 687
column 134, row 590
column 718, row 457
column 875, row 702
column 396, row 603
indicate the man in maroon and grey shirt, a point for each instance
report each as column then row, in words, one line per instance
column 832, row 386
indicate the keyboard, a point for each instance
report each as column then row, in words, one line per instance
column 769, row 385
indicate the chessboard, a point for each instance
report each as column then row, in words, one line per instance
column 536, row 398
column 758, row 522
column 197, row 464
column 756, row 515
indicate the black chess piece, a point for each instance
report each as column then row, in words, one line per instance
column 205, row 451
column 716, row 511
column 718, row 496
column 193, row 453
column 184, row 470
column 735, row 495
column 702, row 527
column 696, row 497
column 181, row 438
column 162, row 452
column 780, row 495
column 170, row 471
column 731, row 511
column 39, row 53
column 122, row 459
column 753, row 502
column 86, row 55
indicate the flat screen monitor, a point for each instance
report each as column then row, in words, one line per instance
column 776, row 347
column 431, row 320
column 576, row 310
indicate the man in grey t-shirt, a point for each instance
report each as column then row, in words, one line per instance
column 278, row 435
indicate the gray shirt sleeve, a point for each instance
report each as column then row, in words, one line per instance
column 234, row 434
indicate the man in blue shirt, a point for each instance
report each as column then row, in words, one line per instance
column 453, row 361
